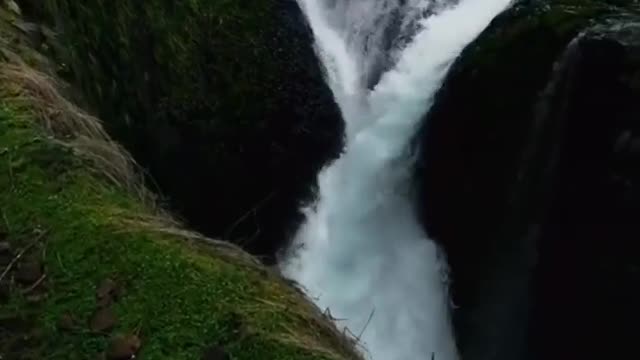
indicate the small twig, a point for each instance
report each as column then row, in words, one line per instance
column 35, row 285
column 347, row 332
column 6, row 222
column 61, row 264
column 367, row 324
column 138, row 328
column 11, row 172
column 20, row 254
column 327, row 313
column 246, row 241
column 44, row 251
column 248, row 213
column 15, row 260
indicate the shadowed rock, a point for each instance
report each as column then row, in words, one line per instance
column 492, row 150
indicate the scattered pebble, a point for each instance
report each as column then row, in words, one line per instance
column 103, row 320
column 106, row 288
column 123, row 347
column 108, row 292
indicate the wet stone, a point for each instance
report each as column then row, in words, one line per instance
column 123, row 347
column 103, row 320
column 108, row 292
column 106, row 288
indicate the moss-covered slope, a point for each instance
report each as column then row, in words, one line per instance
column 228, row 92
column 84, row 247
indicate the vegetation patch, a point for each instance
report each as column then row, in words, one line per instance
column 92, row 267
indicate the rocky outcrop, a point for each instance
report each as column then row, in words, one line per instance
column 494, row 148
column 223, row 102
column 588, row 251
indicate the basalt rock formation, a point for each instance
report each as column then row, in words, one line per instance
column 524, row 186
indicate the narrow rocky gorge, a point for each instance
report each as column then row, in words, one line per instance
column 519, row 171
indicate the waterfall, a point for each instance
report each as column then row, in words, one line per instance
column 362, row 253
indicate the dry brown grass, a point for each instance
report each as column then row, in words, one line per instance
column 166, row 225
column 67, row 123
column 322, row 323
column 70, row 126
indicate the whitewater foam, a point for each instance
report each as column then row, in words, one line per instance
column 361, row 252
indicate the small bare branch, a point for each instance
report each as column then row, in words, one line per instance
column 35, row 285
column 367, row 324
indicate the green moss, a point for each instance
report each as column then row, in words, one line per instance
column 180, row 298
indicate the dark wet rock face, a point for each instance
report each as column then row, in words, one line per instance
column 225, row 105
column 508, row 130
column 123, row 347
column 586, row 283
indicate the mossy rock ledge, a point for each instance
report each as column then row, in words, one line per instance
column 92, row 268
column 520, row 140
column 223, row 102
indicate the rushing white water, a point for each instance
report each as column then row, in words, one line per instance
column 362, row 253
